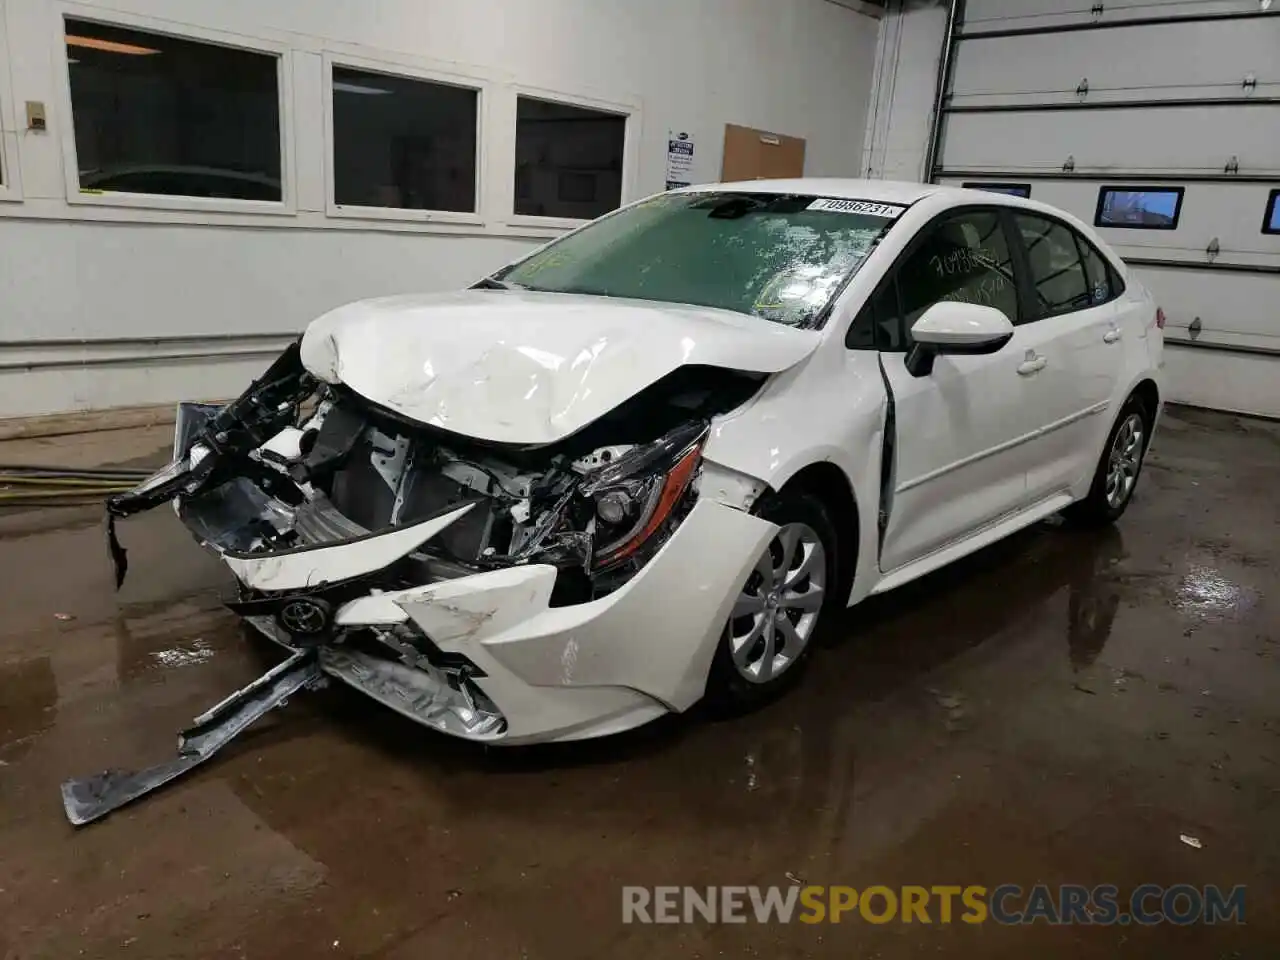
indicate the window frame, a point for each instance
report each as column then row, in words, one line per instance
column 1103, row 189
column 1273, row 201
column 284, row 56
column 890, row 276
column 631, row 114
column 10, row 164
column 483, row 87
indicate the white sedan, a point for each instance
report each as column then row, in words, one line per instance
column 647, row 463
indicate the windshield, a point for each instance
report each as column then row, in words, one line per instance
column 782, row 257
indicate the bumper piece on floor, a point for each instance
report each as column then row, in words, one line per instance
column 92, row 798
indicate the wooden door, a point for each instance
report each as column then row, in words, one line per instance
column 751, row 154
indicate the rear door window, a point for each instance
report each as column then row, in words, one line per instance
column 1057, row 275
column 1102, row 285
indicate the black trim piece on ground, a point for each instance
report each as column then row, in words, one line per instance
column 1201, row 265
column 1151, row 104
column 1224, row 347
column 1110, row 25
column 1111, row 175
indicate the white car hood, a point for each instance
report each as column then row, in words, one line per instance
column 530, row 368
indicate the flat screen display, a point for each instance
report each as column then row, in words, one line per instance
column 1271, row 219
column 1139, row 208
column 1013, row 189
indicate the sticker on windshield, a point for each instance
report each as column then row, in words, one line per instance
column 889, row 210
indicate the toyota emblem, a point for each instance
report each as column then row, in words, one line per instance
column 305, row 617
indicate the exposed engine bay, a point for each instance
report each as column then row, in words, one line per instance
column 294, row 463
column 347, row 526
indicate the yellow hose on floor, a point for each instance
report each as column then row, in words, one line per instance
column 22, row 485
column 61, row 482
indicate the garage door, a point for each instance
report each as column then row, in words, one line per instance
column 1159, row 123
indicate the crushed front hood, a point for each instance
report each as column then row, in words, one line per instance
column 530, row 368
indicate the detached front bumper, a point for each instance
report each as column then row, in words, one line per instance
column 479, row 655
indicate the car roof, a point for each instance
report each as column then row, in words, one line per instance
column 877, row 191
column 880, row 191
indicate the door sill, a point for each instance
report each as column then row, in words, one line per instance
column 976, row 541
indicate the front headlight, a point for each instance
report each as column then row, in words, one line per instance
column 636, row 498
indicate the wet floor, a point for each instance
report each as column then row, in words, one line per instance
column 1061, row 708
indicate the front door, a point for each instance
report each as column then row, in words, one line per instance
column 962, row 432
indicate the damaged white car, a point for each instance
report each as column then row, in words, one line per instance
column 646, row 463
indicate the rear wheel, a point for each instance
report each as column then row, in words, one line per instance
column 785, row 600
column 1117, row 473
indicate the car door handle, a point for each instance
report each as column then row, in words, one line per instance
column 1032, row 366
column 1111, row 336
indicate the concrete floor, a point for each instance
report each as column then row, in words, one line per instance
column 1058, row 709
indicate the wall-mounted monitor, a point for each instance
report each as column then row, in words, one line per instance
column 1271, row 218
column 1012, row 189
column 1139, row 208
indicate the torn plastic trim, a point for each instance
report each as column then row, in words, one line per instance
column 438, row 696
column 314, row 565
column 731, row 487
column 208, row 440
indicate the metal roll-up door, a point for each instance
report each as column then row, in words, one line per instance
column 1169, row 104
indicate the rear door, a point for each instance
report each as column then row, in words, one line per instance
column 962, row 433
column 1075, row 330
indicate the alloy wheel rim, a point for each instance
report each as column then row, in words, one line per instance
column 777, row 611
column 1124, row 461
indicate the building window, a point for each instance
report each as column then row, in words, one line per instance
column 1271, row 218
column 568, row 160
column 1139, row 208
column 155, row 114
column 403, row 143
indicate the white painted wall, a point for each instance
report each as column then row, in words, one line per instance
column 71, row 270
column 907, row 54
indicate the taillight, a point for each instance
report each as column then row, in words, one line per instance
column 1160, row 318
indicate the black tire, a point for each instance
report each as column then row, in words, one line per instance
column 728, row 690
column 1096, row 509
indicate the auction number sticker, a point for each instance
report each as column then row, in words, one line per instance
column 834, row 205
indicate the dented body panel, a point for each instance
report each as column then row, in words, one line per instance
column 529, row 368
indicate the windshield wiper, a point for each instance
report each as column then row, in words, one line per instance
column 737, row 207
column 490, row 283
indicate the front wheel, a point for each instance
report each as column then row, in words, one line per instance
column 1117, row 473
column 778, row 611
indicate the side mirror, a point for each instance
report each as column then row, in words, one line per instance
column 955, row 328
